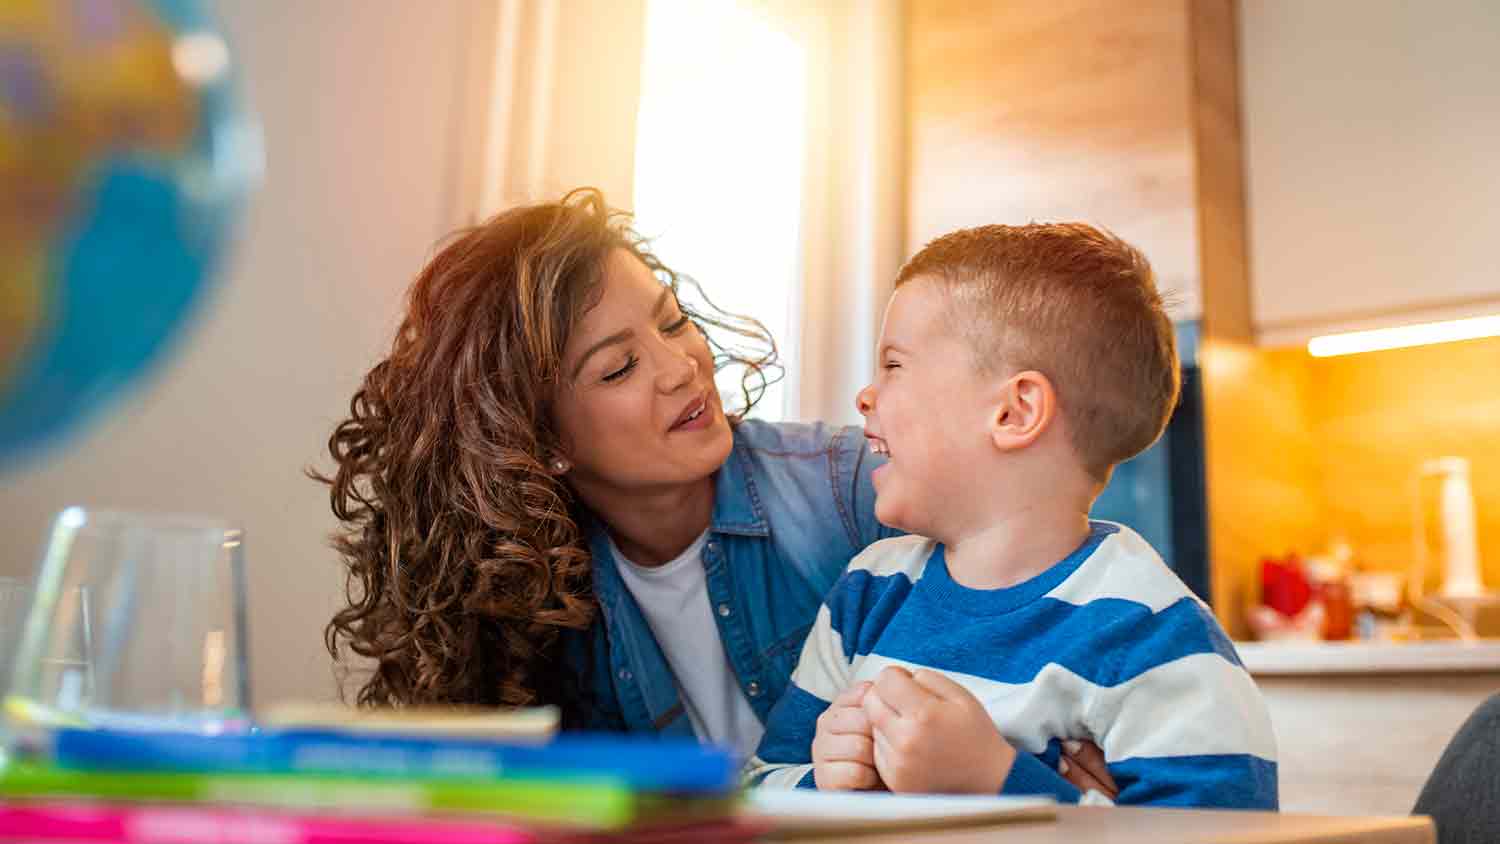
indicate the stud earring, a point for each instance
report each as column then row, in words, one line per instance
column 560, row 466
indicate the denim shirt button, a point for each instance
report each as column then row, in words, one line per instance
column 724, row 610
column 625, row 674
column 753, row 689
column 713, row 545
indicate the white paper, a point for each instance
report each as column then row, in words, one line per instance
column 804, row 808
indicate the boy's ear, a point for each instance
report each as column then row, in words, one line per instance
column 1025, row 409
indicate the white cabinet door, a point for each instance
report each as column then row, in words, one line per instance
column 1372, row 140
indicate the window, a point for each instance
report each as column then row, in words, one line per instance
column 719, row 160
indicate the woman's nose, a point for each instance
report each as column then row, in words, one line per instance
column 864, row 400
column 681, row 369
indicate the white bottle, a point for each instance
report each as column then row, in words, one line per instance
column 1457, row 522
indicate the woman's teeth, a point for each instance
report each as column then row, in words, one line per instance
column 694, row 415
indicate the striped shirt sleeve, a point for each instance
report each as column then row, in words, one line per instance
column 1184, row 729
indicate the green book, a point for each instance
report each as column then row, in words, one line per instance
column 595, row 804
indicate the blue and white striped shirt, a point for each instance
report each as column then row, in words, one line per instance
column 1107, row 645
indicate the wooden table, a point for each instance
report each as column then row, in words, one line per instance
column 1170, row 826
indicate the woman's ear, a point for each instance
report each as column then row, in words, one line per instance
column 1026, row 405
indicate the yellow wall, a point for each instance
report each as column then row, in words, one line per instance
column 1378, row 415
column 1264, row 495
column 1303, row 451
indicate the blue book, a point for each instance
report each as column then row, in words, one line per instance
column 639, row 763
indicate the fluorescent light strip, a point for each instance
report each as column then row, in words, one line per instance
column 1424, row 334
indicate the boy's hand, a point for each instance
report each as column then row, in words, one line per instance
column 932, row 735
column 843, row 750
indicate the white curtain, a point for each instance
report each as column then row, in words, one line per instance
column 559, row 81
column 552, row 88
column 854, row 209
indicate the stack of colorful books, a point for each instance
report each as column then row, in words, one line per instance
column 327, row 785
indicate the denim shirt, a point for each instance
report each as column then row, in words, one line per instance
column 793, row 504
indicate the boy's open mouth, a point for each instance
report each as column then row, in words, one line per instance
column 878, row 445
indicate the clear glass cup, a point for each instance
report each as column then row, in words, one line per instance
column 15, row 600
column 137, row 620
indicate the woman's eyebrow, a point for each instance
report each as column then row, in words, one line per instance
column 622, row 336
column 613, row 339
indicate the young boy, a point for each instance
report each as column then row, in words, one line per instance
column 1017, row 367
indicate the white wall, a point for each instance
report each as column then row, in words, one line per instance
column 357, row 100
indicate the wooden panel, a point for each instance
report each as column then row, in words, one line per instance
column 1365, row 745
column 1047, row 110
column 1225, row 276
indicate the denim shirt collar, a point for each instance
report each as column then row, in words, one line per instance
column 737, row 511
column 737, row 507
column 765, row 588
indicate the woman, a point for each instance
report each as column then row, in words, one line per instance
column 529, row 481
column 545, row 502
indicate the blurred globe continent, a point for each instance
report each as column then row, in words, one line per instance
column 124, row 163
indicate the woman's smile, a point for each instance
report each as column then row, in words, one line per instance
column 696, row 416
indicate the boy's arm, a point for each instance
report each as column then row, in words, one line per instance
column 1183, row 724
column 784, row 758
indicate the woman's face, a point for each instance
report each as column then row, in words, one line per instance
column 637, row 406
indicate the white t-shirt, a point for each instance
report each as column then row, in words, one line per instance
column 674, row 599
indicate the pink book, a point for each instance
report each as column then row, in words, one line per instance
column 101, row 823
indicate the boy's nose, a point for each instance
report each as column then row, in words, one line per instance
column 864, row 400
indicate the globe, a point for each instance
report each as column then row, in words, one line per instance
column 124, row 164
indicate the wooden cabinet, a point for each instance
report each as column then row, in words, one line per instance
column 1372, row 153
column 1124, row 115
column 1058, row 110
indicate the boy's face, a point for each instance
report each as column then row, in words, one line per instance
column 929, row 409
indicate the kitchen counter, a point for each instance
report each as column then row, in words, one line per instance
column 1359, row 725
column 1279, row 659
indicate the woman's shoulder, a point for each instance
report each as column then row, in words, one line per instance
column 811, row 471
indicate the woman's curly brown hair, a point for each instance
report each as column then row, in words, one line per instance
column 465, row 558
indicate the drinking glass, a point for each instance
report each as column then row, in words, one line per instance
column 137, row 620
column 15, row 600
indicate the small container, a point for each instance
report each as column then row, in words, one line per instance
column 1338, row 609
column 1331, row 588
